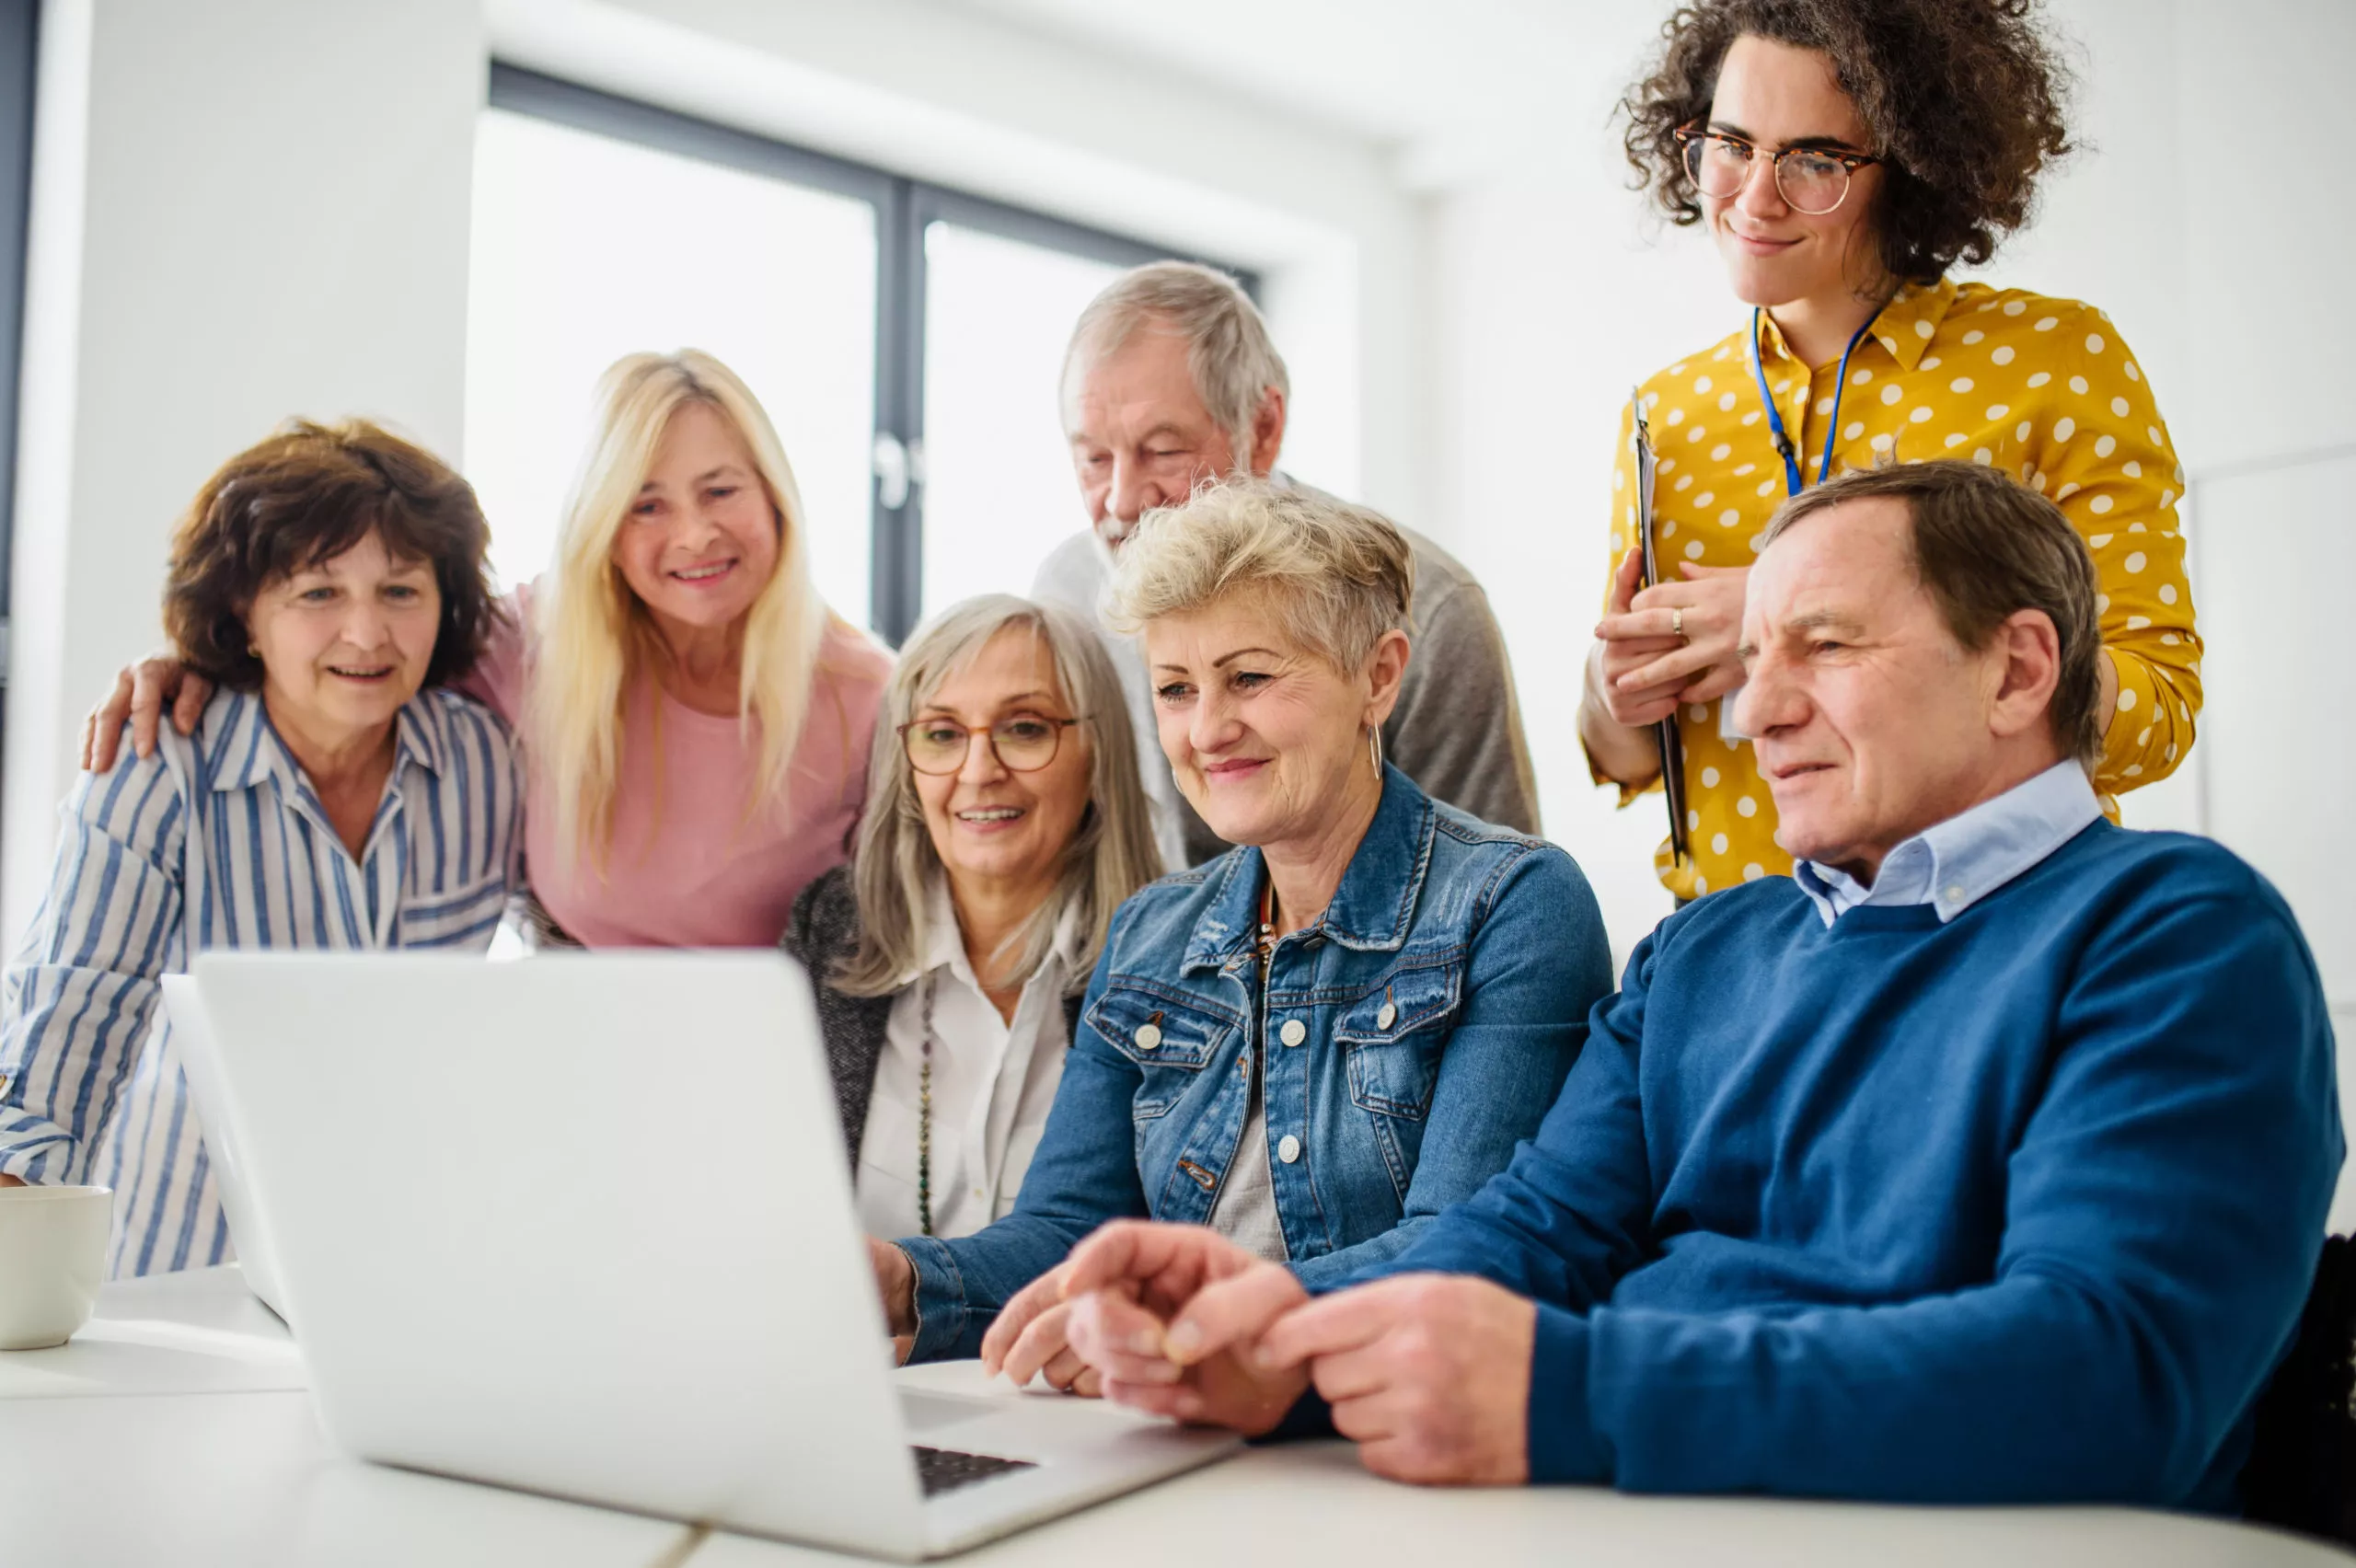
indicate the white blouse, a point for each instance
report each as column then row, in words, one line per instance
column 993, row 1083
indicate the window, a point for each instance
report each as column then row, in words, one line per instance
column 904, row 338
column 19, row 21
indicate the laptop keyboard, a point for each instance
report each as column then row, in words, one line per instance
column 946, row 1470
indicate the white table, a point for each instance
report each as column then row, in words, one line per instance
column 176, row 1430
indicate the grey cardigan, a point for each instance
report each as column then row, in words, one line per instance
column 822, row 936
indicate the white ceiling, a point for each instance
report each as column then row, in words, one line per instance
column 1445, row 87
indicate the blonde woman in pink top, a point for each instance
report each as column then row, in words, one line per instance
column 697, row 720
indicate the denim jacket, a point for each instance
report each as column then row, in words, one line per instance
column 1444, row 994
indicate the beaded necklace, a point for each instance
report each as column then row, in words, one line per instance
column 924, row 1114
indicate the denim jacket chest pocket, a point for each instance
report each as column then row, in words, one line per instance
column 1170, row 1038
column 1394, row 1034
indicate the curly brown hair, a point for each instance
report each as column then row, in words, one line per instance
column 1965, row 100
column 301, row 497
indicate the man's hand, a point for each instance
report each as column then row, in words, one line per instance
column 1428, row 1374
column 1168, row 1314
column 140, row 692
column 1031, row 1338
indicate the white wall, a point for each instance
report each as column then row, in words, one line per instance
column 242, row 210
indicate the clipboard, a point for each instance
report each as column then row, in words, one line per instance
column 1672, row 744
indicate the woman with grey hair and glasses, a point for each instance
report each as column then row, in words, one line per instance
column 1318, row 1040
column 1004, row 826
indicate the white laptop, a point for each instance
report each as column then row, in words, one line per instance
column 192, row 1041
column 582, row 1225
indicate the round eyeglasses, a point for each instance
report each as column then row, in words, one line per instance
column 1814, row 180
column 1023, row 742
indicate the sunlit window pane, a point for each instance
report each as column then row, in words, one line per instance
column 998, row 489
column 586, row 248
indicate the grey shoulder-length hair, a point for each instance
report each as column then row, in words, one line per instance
column 1110, row 855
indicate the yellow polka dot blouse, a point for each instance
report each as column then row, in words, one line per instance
column 2042, row 387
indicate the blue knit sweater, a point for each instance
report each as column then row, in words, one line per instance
column 2021, row 1207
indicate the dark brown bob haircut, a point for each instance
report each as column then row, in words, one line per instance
column 1985, row 548
column 299, row 499
column 1964, row 100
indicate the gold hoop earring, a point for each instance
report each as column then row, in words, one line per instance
column 1374, row 749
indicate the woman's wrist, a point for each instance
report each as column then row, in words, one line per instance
column 900, row 1291
column 1623, row 752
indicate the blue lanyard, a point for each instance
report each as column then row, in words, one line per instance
column 1792, row 485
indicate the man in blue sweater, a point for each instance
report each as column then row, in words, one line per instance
column 1985, row 1159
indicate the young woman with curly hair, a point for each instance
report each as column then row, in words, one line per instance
column 1844, row 155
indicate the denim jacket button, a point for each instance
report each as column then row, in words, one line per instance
column 1149, row 1037
column 1387, row 1017
column 1293, row 1033
column 1290, row 1149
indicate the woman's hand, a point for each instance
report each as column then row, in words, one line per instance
column 1169, row 1315
column 1032, row 1338
column 140, row 690
column 1672, row 643
column 1628, row 641
column 895, row 1282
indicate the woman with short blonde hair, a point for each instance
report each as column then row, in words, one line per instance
column 1005, row 825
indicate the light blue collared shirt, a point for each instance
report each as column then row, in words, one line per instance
column 1954, row 864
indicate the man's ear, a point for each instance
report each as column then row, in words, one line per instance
column 1267, row 432
column 2029, row 652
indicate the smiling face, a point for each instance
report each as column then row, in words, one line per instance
column 700, row 541
column 345, row 643
column 1774, row 96
column 1871, row 721
column 1141, row 436
column 988, row 822
column 1266, row 738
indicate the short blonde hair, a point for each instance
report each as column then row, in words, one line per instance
column 1109, row 858
column 1339, row 576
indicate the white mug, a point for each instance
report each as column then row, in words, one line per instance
column 52, row 1256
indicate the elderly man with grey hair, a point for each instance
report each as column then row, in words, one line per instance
column 1985, row 1159
column 1172, row 380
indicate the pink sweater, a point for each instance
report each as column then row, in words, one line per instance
column 688, row 867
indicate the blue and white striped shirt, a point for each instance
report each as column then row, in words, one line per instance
column 218, row 841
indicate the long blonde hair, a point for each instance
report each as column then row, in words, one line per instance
column 597, row 638
column 1109, row 856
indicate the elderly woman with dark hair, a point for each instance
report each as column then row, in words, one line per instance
column 1316, row 1041
column 1004, row 824
column 335, row 795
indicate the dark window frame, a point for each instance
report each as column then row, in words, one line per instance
column 20, row 73
column 905, row 208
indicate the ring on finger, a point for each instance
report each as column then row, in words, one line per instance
column 1677, row 621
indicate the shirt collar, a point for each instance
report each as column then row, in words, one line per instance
column 1372, row 908
column 1908, row 322
column 1954, row 864
column 944, row 939
column 1903, row 329
column 246, row 748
